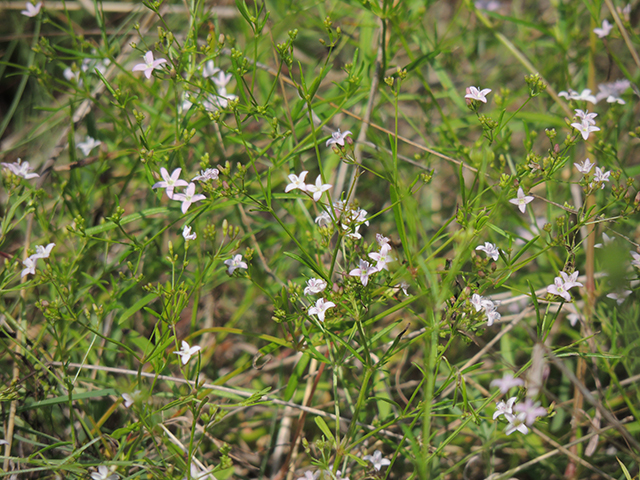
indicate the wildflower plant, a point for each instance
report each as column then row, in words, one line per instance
column 322, row 242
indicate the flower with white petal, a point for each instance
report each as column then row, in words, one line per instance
column 205, row 175
column 149, row 64
column 492, row 316
column 170, row 181
column 30, row 266
column 130, row 398
column 43, row 252
column 309, row 475
column 516, row 422
column 187, row 351
column 363, row 271
column 521, row 200
column 585, row 129
column 20, row 169
column 318, row 189
column 600, row 177
column 188, row 197
column 297, row 182
column 382, row 240
column 584, row 96
column 88, row 145
column 573, row 318
column 612, row 91
column 196, row 474
column 585, row 116
column 474, row 93
column 404, row 286
column 603, row 31
column 209, row 69
column 490, row 249
column 476, row 301
column 563, row 283
column 221, row 81
column 619, row 297
column 186, row 233
column 382, row 258
column 506, row 383
column 584, row 167
column 320, row 308
column 531, row 411
column 323, row 219
column 315, row 285
column 338, row 138
column 31, row 9
column 606, row 239
column 235, row 263
column 636, row 259
column 377, row 460
column 103, row 474
column 503, row 408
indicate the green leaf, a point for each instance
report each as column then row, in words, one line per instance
column 294, row 380
column 136, row 307
column 624, row 469
column 325, row 428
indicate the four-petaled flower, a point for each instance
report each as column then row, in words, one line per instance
column 377, row 460
column 186, row 233
column 208, row 174
column 584, row 167
column 103, row 474
column 234, row 263
column 382, row 258
column 584, row 96
column 149, row 64
column 363, row 271
column 382, row 240
column 506, row 383
column 563, row 283
column 338, row 138
column 188, row 197
column 600, row 177
column 516, row 422
column 619, row 297
column 297, row 182
column 531, row 411
column 88, row 145
column 585, row 128
column 318, row 188
column 314, row 285
column 604, row 30
column 606, row 239
column 320, row 308
column 186, row 352
column 490, row 249
column 585, row 116
column 521, row 200
column 129, row 399
column 30, row 266
column 323, row 219
column 31, row 9
column 170, row 181
column 503, row 408
column 20, row 169
column 43, row 252
column 474, row 93
column 209, row 69
column 636, row 259
column 197, row 474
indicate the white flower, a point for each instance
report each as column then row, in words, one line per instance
column 636, row 259
column 474, row 93
column 585, row 129
column 30, row 266
column 186, row 233
column 573, row 318
column 129, row 399
column 404, row 287
column 170, row 181
column 584, row 167
column 197, row 474
column 503, row 408
column 297, row 182
column 209, row 69
column 612, row 91
column 619, row 297
column 604, row 30
column 309, row 475
column 531, row 411
column 382, row 240
column 88, row 145
column 584, row 96
column 221, row 81
column 562, row 284
column 506, row 383
column 188, row 197
column 234, row 264
column 186, row 352
column 476, row 301
column 377, row 460
column 20, row 169
column 606, row 239
column 103, row 474
column 323, row 219
column 315, row 285
column 31, row 9
column 320, row 308
column 490, row 249
column 149, row 64
column 318, row 188
column 208, row 174
column 516, row 422
column 585, row 116
column 363, row 272
column 355, row 235
column 492, row 316
column 382, row 258
column 43, row 252
column 215, row 102
column 521, row 200
column 338, row 138
column 600, row 177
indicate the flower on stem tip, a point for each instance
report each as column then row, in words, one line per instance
column 382, row 258
column 636, row 259
column 585, row 128
column 209, row 69
column 338, row 138
column 103, row 474
column 129, row 399
column 606, row 239
column 186, row 352
column 377, row 460
column 318, row 189
column 234, row 263
column 503, row 408
column 208, row 174
column 506, row 383
column 320, row 308
column 474, row 93
column 603, row 31
column 584, row 167
column 600, row 177
column 170, row 181
column 531, row 411
column 584, row 96
column 149, row 64
column 297, row 182
column 521, row 200
column 188, row 197
column 309, row 475
column 31, row 9
column 563, row 283
column 490, row 249
column 30, row 266
column 516, row 422
column 363, row 271
column 586, row 117
column 620, row 296
column 315, row 285
column 20, row 169
column 186, row 233
column 88, row 145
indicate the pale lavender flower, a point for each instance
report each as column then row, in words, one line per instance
column 186, row 233
column 31, row 9
column 208, row 174
column 315, row 285
column 103, row 474
column 606, row 239
column 612, row 91
column 573, row 318
column 318, row 189
column 209, row 69
column 20, row 169
column 474, row 93
column 88, row 145
column 503, row 408
column 636, row 259
column 492, row 316
column 584, row 167
column 149, row 64
column 531, row 411
column 521, row 200
column 188, row 197
column 186, row 352
column 170, row 181
column 619, row 297
column 585, row 116
column 129, row 399
column 585, row 95
column 382, row 258
column 221, row 81
column 297, row 182
column 377, row 460
column 562, row 284
column 320, row 308
column 600, row 177
column 363, row 271
column 43, row 252
column 30, row 266
column 309, row 475
column 585, row 129
column 323, row 219
column 490, row 249
column 382, row 240
column 235, row 263
column 516, row 422
column 476, row 301
column 603, row 31
column 338, row 138
column 506, row 383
